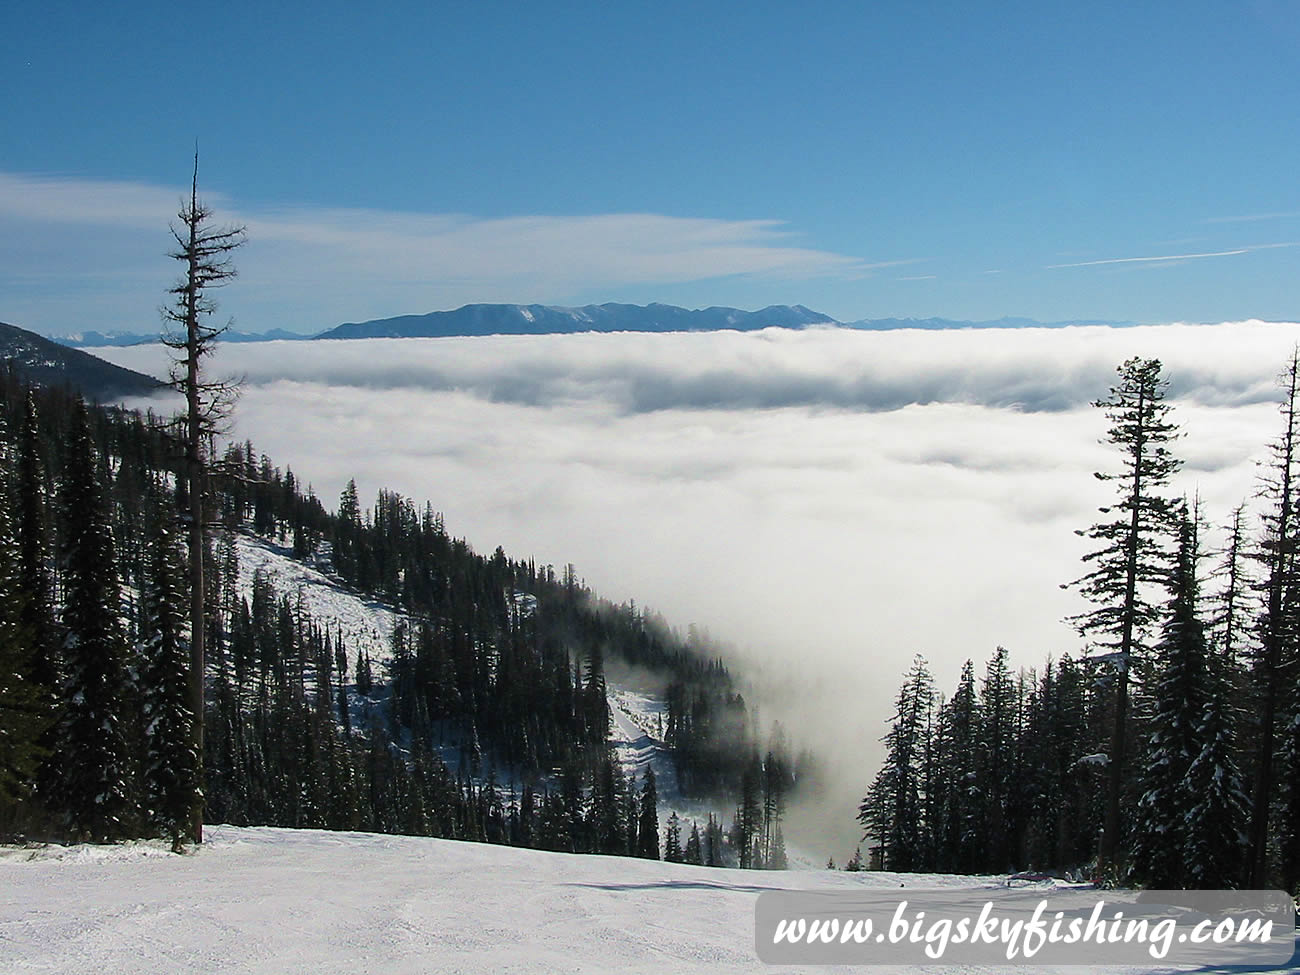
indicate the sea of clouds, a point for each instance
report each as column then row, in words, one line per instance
column 830, row 501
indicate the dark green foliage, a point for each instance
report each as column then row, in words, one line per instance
column 500, row 660
column 170, row 766
column 648, row 825
column 25, row 705
column 693, row 852
column 892, row 809
column 95, row 767
column 1132, row 556
column 673, row 840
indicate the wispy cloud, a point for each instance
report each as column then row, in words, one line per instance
column 324, row 265
column 1171, row 259
column 1255, row 217
column 1149, row 260
column 919, row 277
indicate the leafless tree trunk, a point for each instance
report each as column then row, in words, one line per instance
column 205, row 252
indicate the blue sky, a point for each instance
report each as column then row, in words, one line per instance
column 867, row 160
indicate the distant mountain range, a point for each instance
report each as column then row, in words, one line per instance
column 45, row 363
column 99, row 340
column 484, row 319
column 549, row 319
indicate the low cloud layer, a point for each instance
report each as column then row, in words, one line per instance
column 1029, row 370
column 831, row 502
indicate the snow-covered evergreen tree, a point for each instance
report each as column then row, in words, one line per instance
column 95, row 770
column 892, row 809
column 1214, row 825
column 1177, row 698
column 24, row 705
column 1131, row 556
column 170, row 766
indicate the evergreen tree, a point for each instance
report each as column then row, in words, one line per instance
column 962, row 811
column 996, row 770
column 170, row 772
column 1277, row 625
column 1177, row 699
column 32, row 532
column 715, row 856
column 776, row 858
column 673, row 840
column 648, row 827
column 1230, row 622
column 606, row 795
column 95, row 768
column 1132, row 556
column 855, row 862
column 1215, row 822
column 25, row 711
column 892, row 809
column 631, row 817
column 694, row 852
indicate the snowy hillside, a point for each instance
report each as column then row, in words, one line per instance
column 367, row 625
column 263, row 901
column 364, row 623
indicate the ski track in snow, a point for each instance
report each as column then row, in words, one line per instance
column 263, row 901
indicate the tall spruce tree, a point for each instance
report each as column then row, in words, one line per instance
column 892, row 810
column 1277, row 625
column 170, row 772
column 25, row 706
column 96, row 773
column 1229, row 624
column 648, row 827
column 1132, row 556
column 962, row 822
column 673, row 840
column 693, row 853
column 31, row 525
column 1176, row 698
column 1215, row 822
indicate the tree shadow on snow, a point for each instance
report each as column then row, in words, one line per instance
column 677, row 885
column 1291, row 966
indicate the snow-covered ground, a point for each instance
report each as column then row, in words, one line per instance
column 365, row 623
column 261, row 901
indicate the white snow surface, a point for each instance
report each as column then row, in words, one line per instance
column 364, row 622
column 262, row 901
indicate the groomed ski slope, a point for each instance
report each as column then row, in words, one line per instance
column 262, row 901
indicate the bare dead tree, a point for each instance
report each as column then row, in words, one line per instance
column 205, row 252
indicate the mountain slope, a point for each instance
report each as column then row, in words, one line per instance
column 367, row 625
column 548, row 319
column 45, row 363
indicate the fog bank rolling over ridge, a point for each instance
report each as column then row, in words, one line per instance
column 1030, row 369
column 830, row 500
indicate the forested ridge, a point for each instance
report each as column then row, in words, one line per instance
column 1167, row 754
column 504, row 658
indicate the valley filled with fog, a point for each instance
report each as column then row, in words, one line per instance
column 828, row 501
